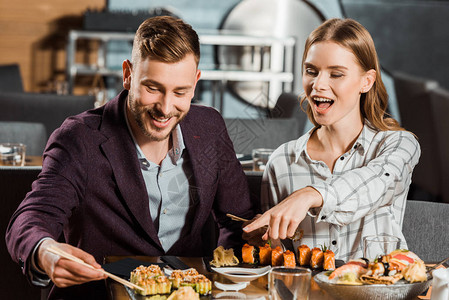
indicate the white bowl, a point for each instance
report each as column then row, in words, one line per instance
column 400, row 290
column 238, row 274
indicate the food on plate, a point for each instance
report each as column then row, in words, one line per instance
column 350, row 272
column 250, row 254
column 415, row 272
column 184, row 293
column 387, row 269
column 329, row 260
column 305, row 254
column 151, row 279
column 317, row 258
column 289, row 259
column 200, row 283
column 277, row 258
column 177, row 276
column 399, row 259
column 265, row 255
column 224, row 257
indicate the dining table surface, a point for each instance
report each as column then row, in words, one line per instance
column 257, row 289
column 33, row 161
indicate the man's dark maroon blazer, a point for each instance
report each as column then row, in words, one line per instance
column 91, row 188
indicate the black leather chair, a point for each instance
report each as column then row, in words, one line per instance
column 413, row 95
column 10, row 78
column 440, row 106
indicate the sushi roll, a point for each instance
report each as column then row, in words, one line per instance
column 151, row 280
column 200, row 283
column 277, row 258
column 316, row 258
column 177, row 276
column 265, row 255
column 250, row 254
column 304, row 254
column 329, row 260
column 289, row 259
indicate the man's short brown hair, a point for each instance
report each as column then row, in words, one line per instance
column 165, row 39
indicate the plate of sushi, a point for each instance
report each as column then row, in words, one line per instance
column 256, row 261
column 178, row 284
column 400, row 274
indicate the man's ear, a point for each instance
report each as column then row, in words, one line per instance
column 127, row 70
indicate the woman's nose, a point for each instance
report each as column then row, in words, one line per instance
column 321, row 82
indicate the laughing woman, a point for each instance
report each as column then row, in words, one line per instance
column 348, row 177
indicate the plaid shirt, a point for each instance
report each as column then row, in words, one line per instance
column 365, row 195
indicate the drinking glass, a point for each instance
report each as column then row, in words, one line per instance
column 378, row 245
column 260, row 158
column 289, row 283
column 12, row 154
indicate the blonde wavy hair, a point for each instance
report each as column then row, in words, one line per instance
column 353, row 36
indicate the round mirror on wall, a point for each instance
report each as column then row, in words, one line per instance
column 271, row 18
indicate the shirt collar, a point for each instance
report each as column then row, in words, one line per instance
column 361, row 144
column 174, row 152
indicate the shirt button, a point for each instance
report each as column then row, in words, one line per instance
column 323, row 217
column 165, row 211
column 334, row 242
column 387, row 174
column 342, row 158
column 355, row 146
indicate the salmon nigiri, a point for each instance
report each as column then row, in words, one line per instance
column 304, row 254
column 317, row 258
column 249, row 254
column 289, row 259
column 277, row 259
column 265, row 254
column 329, row 260
column 350, row 272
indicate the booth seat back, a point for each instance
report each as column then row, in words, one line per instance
column 48, row 109
column 33, row 135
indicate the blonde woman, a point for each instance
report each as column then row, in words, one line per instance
column 348, row 177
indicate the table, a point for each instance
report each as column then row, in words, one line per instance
column 33, row 161
column 256, row 289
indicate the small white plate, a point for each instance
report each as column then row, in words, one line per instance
column 238, row 274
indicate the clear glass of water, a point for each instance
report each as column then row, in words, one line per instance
column 378, row 245
column 289, row 283
column 12, row 154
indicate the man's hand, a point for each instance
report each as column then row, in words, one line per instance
column 283, row 219
column 64, row 272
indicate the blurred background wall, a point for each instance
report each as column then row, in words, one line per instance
column 411, row 36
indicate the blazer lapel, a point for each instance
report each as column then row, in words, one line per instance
column 120, row 150
column 203, row 157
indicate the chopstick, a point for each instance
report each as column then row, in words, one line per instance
column 437, row 265
column 68, row 256
column 235, row 218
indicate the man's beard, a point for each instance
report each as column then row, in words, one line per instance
column 139, row 111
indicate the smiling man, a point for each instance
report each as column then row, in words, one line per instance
column 139, row 176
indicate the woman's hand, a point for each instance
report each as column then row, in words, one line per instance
column 254, row 237
column 64, row 272
column 284, row 218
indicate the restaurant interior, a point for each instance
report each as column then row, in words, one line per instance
column 59, row 58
